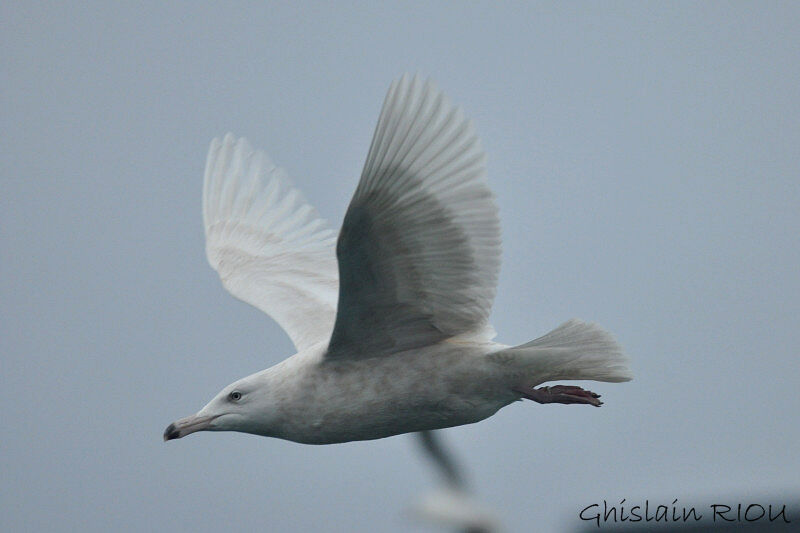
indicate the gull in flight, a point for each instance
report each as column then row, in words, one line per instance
column 390, row 318
column 451, row 505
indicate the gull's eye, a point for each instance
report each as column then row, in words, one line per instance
column 235, row 396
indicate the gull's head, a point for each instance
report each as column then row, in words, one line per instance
column 244, row 405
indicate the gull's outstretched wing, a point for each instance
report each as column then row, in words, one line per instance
column 419, row 249
column 268, row 245
column 451, row 504
column 442, row 458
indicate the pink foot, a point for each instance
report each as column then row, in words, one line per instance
column 561, row 394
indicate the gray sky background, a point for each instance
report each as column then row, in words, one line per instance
column 645, row 159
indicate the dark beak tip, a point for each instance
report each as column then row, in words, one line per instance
column 171, row 433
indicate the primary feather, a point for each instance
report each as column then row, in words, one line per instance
column 268, row 245
column 419, row 250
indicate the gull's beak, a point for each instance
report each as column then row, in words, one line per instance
column 184, row 426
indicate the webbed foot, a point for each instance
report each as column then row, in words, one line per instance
column 566, row 394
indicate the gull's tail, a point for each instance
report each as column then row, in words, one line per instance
column 575, row 350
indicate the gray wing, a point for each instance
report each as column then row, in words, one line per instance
column 451, row 504
column 442, row 459
column 419, row 249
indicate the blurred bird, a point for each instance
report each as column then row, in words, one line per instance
column 392, row 327
column 451, row 505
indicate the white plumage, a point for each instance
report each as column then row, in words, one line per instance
column 269, row 246
column 391, row 320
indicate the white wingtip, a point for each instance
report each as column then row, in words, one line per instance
column 267, row 243
column 453, row 508
column 243, row 191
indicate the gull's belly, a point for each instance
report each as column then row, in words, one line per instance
column 379, row 397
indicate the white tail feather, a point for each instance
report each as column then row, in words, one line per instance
column 574, row 350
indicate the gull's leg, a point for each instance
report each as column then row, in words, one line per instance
column 561, row 394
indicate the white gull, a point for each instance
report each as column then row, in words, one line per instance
column 396, row 339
